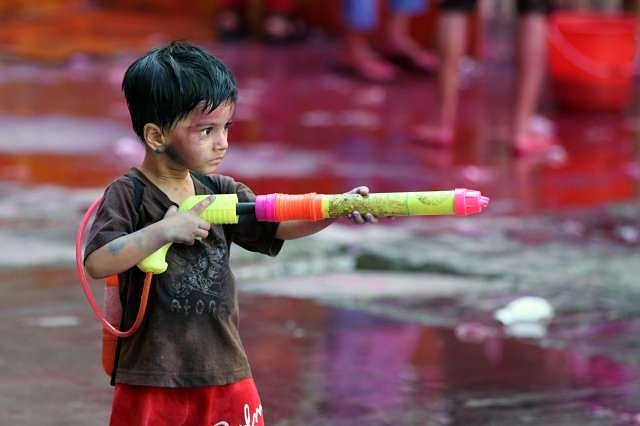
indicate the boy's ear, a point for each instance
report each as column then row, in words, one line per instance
column 154, row 138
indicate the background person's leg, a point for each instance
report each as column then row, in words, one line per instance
column 531, row 60
column 452, row 44
column 400, row 45
column 361, row 17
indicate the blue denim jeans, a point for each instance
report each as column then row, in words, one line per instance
column 362, row 15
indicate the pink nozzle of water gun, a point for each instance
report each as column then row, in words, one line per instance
column 468, row 201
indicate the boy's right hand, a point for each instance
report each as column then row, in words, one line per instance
column 187, row 226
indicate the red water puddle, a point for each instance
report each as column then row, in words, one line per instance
column 348, row 367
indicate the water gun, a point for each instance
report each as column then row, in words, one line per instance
column 226, row 209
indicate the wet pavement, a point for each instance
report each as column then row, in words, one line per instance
column 389, row 324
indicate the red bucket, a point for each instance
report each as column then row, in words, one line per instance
column 592, row 59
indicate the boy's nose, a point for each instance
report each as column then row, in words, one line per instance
column 222, row 142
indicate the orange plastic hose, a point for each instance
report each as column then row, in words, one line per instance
column 298, row 207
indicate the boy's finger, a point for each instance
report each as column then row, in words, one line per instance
column 368, row 217
column 357, row 217
column 362, row 190
column 203, row 204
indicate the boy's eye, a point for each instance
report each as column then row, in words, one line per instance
column 206, row 132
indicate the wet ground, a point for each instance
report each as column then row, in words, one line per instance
column 389, row 324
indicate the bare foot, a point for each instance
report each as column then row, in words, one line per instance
column 539, row 137
column 367, row 64
column 434, row 135
column 374, row 69
column 408, row 53
column 418, row 59
column 531, row 144
column 426, row 60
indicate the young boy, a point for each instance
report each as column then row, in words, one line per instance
column 186, row 364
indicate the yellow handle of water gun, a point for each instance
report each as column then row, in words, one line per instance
column 221, row 211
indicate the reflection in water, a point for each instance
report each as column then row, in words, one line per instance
column 344, row 367
column 367, row 365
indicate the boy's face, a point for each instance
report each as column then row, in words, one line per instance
column 199, row 141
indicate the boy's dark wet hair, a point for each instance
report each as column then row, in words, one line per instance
column 167, row 83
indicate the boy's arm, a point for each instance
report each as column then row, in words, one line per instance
column 128, row 250
column 297, row 229
column 125, row 252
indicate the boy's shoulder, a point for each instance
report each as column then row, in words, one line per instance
column 220, row 184
column 126, row 182
column 136, row 183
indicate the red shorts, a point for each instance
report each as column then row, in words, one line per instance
column 237, row 404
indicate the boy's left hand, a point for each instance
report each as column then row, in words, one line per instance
column 356, row 216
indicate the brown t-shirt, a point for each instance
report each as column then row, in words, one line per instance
column 189, row 336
